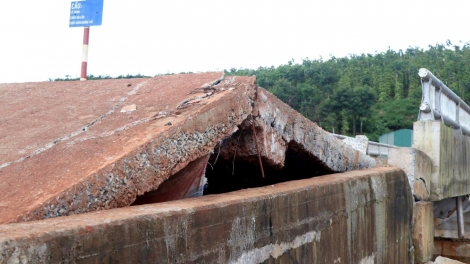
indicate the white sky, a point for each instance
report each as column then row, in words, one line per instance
column 153, row 37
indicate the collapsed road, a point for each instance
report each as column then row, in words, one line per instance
column 75, row 147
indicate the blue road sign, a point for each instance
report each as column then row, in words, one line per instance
column 85, row 13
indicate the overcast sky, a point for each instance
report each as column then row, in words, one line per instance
column 155, row 37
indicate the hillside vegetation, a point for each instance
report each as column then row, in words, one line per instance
column 365, row 94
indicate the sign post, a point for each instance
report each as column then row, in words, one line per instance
column 86, row 35
column 85, row 13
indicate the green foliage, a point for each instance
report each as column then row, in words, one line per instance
column 99, row 77
column 369, row 94
column 352, row 104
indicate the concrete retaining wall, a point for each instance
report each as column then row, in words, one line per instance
column 449, row 151
column 354, row 217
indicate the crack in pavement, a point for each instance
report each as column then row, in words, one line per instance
column 73, row 134
column 125, row 127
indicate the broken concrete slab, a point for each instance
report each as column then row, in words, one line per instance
column 360, row 142
column 278, row 128
column 108, row 158
column 417, row 166
column 122, row 155
column 281, row 125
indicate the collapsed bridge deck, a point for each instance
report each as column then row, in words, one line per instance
column 76, row 147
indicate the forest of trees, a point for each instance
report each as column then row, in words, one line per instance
column 99, row 77
column 365, row 94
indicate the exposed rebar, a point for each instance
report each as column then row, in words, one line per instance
column 256, row 143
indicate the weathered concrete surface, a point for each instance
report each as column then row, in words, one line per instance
column 107, row 158
column 279, row 128
column 423, row 232
column 354, row 217
column 35, row 115
column 98, row 145
column 449, row 151
column 417, row 166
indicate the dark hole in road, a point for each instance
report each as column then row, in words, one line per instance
column 241, row 173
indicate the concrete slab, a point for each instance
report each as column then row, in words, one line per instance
column 35, row 115
column 354, row 217
column 89, row 156
column 279, row 129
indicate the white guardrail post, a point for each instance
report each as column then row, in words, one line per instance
column 439, row 102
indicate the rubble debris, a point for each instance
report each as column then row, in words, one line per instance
column 360, row 143
column 129, row 108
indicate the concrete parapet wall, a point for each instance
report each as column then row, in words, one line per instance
column 449, row 151
column 354, row 217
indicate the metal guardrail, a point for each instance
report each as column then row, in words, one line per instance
column 378, row 149
column 439, row 102
column 373, row 148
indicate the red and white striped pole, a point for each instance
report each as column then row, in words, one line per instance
column 86, row 35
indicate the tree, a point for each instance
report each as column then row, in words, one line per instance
column 287, row 92
column 363, row 100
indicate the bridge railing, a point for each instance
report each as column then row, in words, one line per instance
column 373, row 148
column 439, row 102
column 378, row 149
